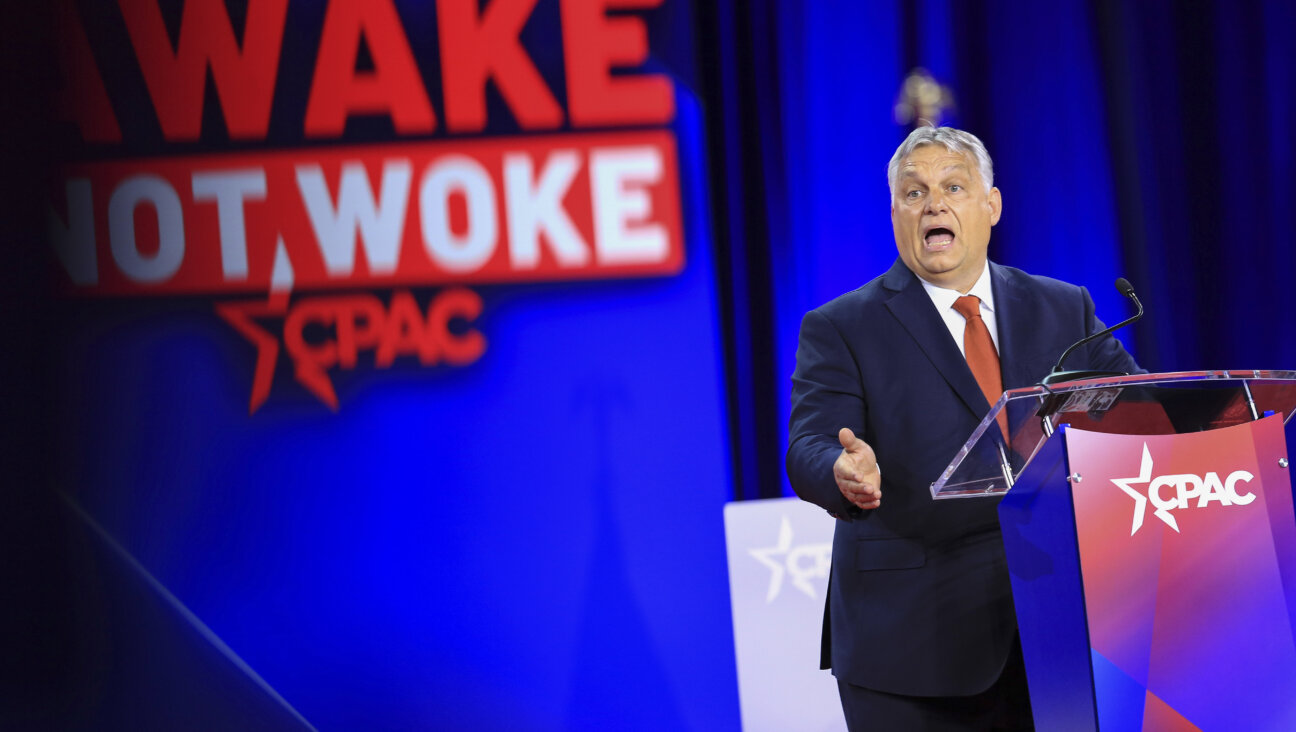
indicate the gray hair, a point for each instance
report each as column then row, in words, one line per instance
column 951, row 139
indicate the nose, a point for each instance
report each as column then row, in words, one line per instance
column 936, row 202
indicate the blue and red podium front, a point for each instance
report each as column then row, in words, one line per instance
column 1149, row 529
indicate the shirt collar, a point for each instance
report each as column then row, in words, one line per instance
column 944, row 298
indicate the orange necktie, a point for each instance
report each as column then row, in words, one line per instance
column 981, row 355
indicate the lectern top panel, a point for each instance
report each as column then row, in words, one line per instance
column 1143, row 404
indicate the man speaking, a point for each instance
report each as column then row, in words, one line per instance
column 890, row 381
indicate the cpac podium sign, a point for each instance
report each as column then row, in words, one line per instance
column 1149, row 528
column 1182, row 542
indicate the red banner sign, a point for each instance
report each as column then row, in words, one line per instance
column 499, row 210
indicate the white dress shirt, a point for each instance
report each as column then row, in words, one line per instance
column 944, row 299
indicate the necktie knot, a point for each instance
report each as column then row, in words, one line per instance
column 968, row 306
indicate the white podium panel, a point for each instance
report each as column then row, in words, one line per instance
column 779, row 552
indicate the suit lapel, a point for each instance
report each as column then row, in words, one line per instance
column 913, row 308
column 1018, row 317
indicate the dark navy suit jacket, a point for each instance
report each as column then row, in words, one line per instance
column 919, row 601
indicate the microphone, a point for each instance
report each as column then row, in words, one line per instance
column 1057, row 376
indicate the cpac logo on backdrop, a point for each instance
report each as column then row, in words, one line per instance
column 1176, row 492
column 801, row 563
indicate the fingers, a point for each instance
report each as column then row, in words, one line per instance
column 856, row 481
column 868, row 505
column 864, row 495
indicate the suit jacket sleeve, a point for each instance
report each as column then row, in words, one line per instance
column 827, row 394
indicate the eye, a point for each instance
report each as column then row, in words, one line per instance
column 955, row 188
column 913, row 194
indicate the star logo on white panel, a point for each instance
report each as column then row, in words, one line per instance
column 802, row 563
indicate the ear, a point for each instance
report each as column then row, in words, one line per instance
column 996, row 206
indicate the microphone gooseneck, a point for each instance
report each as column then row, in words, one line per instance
column 1058, row 376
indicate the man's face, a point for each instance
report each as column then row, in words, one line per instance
column 941, row 215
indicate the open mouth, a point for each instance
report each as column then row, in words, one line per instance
column 939, row 238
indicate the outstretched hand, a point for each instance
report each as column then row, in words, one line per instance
column 856, row 471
